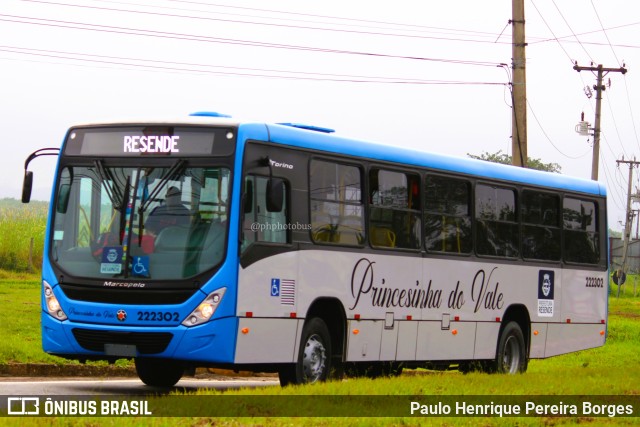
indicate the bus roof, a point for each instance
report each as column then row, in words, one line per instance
column 334, row 144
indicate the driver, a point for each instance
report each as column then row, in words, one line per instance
column 172, row 212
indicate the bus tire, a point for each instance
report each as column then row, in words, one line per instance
column 314, row 356
column 511, row 356
column 159, row 372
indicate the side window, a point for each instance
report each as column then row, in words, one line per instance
column 447, row 218
column 540, row 226
column 336, row 203
column 497, row 226
column 580, row 231
column 394, row 215
column 261, row 222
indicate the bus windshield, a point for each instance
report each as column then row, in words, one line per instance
column 160, row 223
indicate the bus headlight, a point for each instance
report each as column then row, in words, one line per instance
column 205, row 310
column 53, row 306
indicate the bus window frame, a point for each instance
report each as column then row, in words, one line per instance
column 559, row 226
column 471, row 206
column 598, row 225
column 392, row 167
column 504, row 185
column 363, row 204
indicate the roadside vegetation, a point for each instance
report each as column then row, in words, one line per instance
column 613, row 369
column 22, row 229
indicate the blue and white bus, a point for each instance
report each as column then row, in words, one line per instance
column 206, row 242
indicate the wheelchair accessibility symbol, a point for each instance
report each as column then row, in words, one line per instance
column 140, row 266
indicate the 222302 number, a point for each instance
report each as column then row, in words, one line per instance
column 158, row 316
column 595, row 282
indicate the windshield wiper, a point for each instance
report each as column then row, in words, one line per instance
column 113, row 191
column 174, row 170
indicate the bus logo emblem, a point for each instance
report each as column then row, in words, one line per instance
column 112, row 255
column 121, row 315
column 545, row 293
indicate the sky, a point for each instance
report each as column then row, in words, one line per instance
column 425, row 74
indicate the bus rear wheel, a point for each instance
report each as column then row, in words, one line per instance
column 314, row 356
column 511, row 357
column 159, row 372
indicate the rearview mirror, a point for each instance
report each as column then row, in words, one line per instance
column 27, row 184
column 275, row 194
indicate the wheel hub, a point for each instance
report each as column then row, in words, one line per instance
column 511, row 357
column 314, row 359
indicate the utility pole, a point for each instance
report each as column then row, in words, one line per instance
column 629, row 214
column 519, row 87
column 598, row 87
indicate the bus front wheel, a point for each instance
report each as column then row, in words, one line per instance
column 159, row 372
column 511, row 357
column 314, row 356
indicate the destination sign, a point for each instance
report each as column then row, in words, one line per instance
column 160, row 141
column 151, row 144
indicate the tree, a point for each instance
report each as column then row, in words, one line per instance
column 505, row 159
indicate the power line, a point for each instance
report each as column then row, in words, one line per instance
column 571, row 29
column 625, row 80
column 605, row 33
column 550, row 30
column 557, row 39
column 615, row 123
column 347, row 21
column 549, row 139
column 174, row 66
column 360, row 20
column 221, row 40
column 633, row 120
column 404, row 26
column 609, row 178
column 269, row 24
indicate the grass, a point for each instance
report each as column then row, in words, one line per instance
column 613, row 369
column 21, row 337
column 19, row 224
column 20, row 331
